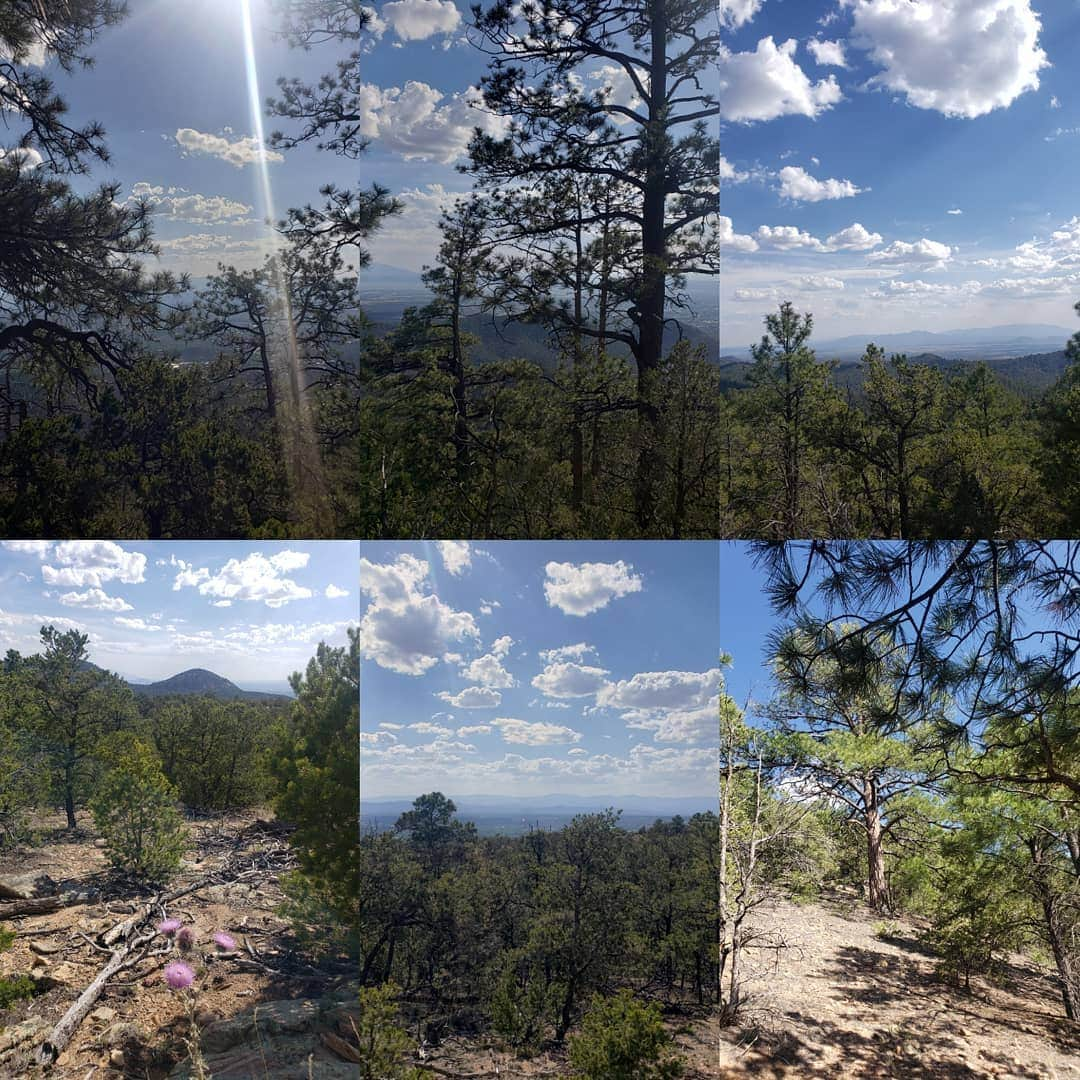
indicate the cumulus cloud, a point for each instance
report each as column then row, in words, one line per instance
column 819, row 283
column 473, row 729
column 569, row 680
column 854, row 238
column 456, row 555
column 78, row 563
column 25, row 157
column 729, row 173
column 730, row 240
column 827, row 53
column 472, row 697
column 799, row 186
column 920, row 252
column 237, row 152
column 535, row 734
column 787, row 238
column 767, row 83
column 257, row 577
column 136, row 624
column 588, row 587
column 416, row 20
column 735, row 13
column 334, row 593
column 488, row 670
column 567, row 652
column 676, row 706
column 959, row 57
column 180, row 206
column 425, row 728
column 420, row 122
column 405, row 629
column 95, row 600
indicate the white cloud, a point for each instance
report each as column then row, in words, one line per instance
column 473, row 729
column 404, row 629
column 827, row 53
column 730, row 240
column 735, row 13
column 456, row 555
column 729, row 172
column 92, row 562
column 567, row 652
column 535, row 734
column 959, row 57
column 95, row 600
column 488, row 670
column 238, row 152
column 416, row 20
column 954, row 211
column 568, row 680
column 425, row 728
column 819, row 283
column 798, row 185
column 662, row 690
column 40, row 548
column 420, row 122
column 768, row 83
column 921, row 252
column 255, row 578
column 181, row 206
column 588, row 587
column 26, row 157
column 472, row 697
column 136, row 624
column 334, row 593
column 854, row 238
column 787, row 238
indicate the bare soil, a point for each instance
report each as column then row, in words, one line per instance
column 138, row 1027
column 843, row 1002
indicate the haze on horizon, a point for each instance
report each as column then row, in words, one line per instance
column 880, row 171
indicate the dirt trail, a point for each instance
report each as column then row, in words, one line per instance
column 843, row 1003
column 137, row 1027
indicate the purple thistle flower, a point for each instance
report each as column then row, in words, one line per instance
column 185, row 938
column 168, row 927
column 224, row 942
column 178, row 975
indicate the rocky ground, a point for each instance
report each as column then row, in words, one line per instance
column 262, row 1011
column 855, row 996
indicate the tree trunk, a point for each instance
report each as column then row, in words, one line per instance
column 877, row 890
column 69, row 795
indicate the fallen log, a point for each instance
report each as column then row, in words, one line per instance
column 60, row 1036
column 42, row 905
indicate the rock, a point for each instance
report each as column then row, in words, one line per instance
column 274, row 1018
column 119, row 1034
column 101, row 843
column 103, row 1014
column 26, row 886
column 65, row 974
column 116, row 1059
column 43, row 948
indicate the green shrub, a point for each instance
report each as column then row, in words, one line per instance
column 383, row 1043
column 134, row 809
column 622, row 1039
column 520, row 1010
column 19, row 987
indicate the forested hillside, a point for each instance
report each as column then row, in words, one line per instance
column 912, row 766
column 197, row 848
column 585, row 218
column 894, row 447
column 585, row 915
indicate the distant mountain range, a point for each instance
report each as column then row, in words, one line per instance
column 973, row 343
column 196, row 681
column 1030, row 374
column 204, row 683
column 512, row 816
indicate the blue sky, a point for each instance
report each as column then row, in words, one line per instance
column 170, row 85
column 899, row 164
column 252, row 612
column 746, row 620
column 522, row 668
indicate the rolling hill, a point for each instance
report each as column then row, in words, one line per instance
column 205, row 683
